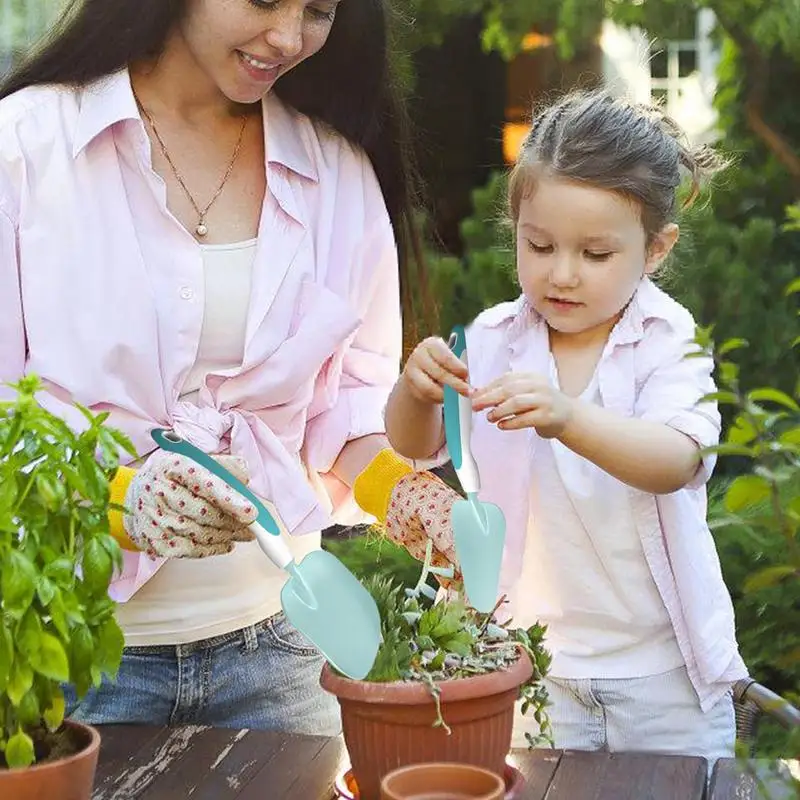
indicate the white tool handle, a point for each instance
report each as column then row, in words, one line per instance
column 468, row 471
column 275, row 547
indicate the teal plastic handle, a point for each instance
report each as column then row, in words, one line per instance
column 169, row 440
column 452, row 426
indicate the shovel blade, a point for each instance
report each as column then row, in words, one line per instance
column 329, row 606
column 479, row 541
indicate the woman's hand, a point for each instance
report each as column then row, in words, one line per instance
column 178, row 509
column 524, row 400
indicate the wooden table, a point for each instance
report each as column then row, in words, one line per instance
column 146, row 763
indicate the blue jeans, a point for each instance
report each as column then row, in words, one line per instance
column 263, row 677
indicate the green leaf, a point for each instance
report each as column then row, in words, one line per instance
column 97, row 566
column 770, row 576
column 51, row 491
column 110, row 643
column 791, row 437
column 54, row 715
column 28, row 710
column 81, row 650
column 19, row 750
column 58, row 615
column 46, row 591
column 19, row 582
column 728, row 449
column 6, row 655
column 732, row 344
column 773, row 396
column 51, row 659
column 793, row 287
column 19, row 681
column 746, row 490
column 723, row 398
column 742, row 431
column 29, row 633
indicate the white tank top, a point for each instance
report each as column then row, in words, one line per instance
column 584, row 573
column 192, row 599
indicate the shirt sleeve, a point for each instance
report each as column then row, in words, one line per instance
column 12, row 327
column 370, row 367
column 674, row 388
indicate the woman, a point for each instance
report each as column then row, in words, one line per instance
column 199, row 204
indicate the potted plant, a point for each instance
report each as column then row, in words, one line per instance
column 443, row 685
column 57, row 621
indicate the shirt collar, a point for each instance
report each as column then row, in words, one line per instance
column 103, row 103
column 110, row 100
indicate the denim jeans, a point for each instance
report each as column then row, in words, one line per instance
column 656, row 714
column 263, row 677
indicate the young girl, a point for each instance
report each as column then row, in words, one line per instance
column 588, row 433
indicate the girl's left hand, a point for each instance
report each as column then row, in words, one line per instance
column 524, row 400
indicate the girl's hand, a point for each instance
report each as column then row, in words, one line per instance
column 523, row 400
column 420, row 509
column 430, row 368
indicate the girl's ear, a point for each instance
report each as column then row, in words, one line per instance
column 660, row 247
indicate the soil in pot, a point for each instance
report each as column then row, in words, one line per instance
column 391, row 725
column 66, row 770
column 47, row 746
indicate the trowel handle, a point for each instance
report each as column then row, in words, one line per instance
column 458, row 423
column 274, row 547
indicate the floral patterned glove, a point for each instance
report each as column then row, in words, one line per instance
column 178, row 509
column 413, row 507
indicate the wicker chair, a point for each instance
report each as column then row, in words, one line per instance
column 751, row 701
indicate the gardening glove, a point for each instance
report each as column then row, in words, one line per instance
column 178, row 509
column 413, row 507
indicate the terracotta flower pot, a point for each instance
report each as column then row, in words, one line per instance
column 390, row 725
column 70, row 778
column 451, row 781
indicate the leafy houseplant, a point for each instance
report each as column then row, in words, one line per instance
column 57, row 621
column 442, row 687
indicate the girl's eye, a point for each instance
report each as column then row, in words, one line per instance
column 598, row 256
column 539, row 248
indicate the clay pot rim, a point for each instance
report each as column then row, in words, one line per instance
column 416, row 693
column 85, row 752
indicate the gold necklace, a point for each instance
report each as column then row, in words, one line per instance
column 201, row 229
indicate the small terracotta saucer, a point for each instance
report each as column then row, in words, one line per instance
column 346, row 788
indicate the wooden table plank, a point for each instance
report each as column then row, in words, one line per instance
column 538, row 768
column 752, row 780
column 278, row 776
column 615, row 776
column 234, row 768
column 159, row 757
column 210, row 761
column 132, row 777
column 318, row 780
column 119, row 746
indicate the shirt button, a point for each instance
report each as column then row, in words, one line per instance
column 187, row 293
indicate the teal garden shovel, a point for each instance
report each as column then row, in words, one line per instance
column 322, row 598
column 479, row 528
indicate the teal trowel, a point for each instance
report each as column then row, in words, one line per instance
column 479, row 528
column 322, row 598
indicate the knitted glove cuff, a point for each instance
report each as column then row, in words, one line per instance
column 118, row 488
column 375, row 483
